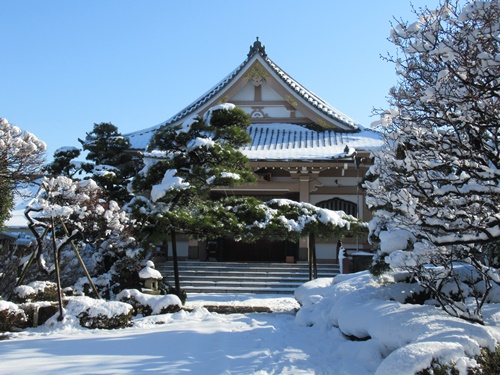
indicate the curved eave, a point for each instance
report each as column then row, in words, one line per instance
column 312, row 100
column 197, row 105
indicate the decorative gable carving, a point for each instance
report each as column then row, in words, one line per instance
column 257, row 73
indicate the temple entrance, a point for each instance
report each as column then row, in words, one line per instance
column 229, row 250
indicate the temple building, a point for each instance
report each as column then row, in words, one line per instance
column 302, row 149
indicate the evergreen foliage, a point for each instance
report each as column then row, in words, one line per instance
column 65, row 164
column 112, row 163
column 184, row 162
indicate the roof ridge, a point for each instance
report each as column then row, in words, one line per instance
column 256, row 49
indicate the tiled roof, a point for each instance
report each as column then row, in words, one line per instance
column 17, row 220
column 140, row 139
column 295, row 142
column 312, row 98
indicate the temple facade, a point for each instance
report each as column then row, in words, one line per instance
column 302, row 149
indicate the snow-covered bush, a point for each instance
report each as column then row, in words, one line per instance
column 125, row 274
column 75, row 212
column 489, row 362
column 97, row 313
column 147, row 304
column 12, row 318
column 438, row 174
column 35, row 291
column 102, row 283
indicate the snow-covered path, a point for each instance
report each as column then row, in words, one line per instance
column 196, row 342
column 388, row 337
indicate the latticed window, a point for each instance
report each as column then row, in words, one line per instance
column 337, row 204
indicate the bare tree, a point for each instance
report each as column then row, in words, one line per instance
column 438, row 176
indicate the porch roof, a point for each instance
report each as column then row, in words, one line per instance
column 294, row 142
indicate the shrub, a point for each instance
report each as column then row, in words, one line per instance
column 125, row 274
column 418, row 297
column 93, row 313
column 379, row 266
column 35, row 291
column 12, row 318
column 182, row 293
column 437, row 368
column 489, row 362
column 147, row 304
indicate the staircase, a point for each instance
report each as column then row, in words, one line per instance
column 225, row 277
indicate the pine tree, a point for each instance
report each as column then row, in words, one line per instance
column 65, row 164
column 113, row 165
column 183, row 164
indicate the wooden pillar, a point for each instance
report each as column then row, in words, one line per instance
column 304, row 181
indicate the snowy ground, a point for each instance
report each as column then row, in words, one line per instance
column 397, row 339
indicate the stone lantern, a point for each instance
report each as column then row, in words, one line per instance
column 151, row 278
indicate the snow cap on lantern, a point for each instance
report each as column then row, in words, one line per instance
column 150, row 277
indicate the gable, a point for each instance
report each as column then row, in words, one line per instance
column 267, row 93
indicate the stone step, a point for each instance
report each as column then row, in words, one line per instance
column 249, row 274
column 225, row 265
column 237, row 278
column 232, row 277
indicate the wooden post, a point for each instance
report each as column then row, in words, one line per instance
column 58, row 274
column 312, row 247
column 80, row 260
column 176, row 265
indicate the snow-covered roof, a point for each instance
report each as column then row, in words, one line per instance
column 295, row 142
column 279, row 141
column 140, row 139
column 17, row 220
column 150, row 273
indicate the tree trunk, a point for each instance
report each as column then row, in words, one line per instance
column 176, row 265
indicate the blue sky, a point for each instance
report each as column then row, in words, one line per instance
column 69, row 64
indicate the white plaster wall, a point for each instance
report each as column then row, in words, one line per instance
column 246, row 93
column 276, row 111
column 269, row 94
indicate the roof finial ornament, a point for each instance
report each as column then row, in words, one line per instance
column 257, row 48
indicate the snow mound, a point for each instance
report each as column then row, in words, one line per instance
column 408, row 336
